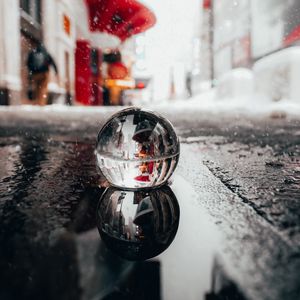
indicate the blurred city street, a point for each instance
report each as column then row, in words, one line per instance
column 90, row 209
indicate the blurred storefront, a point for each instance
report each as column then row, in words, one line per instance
column 59, row 35
column 75, row 39
column 231, row 35
column 236, row 33
column 275, row 25
column 122, row 19
column 24, row 24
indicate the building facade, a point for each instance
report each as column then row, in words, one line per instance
column 275, row 25
column 10, row 49
column 62, row 26
column 236, row 33
column 231, row 35
column 59, row 34
column 24, row 23
column 205, row 67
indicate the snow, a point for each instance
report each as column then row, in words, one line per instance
column 235, row 83
column 248, row 105
column 277, row 75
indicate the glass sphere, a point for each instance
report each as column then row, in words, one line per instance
column 138, row 225
column 137, row 149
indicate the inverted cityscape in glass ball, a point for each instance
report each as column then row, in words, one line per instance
column 137, row 149
column 138, row 225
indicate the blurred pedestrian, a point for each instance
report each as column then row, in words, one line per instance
column 188, row 84
column 38, row 64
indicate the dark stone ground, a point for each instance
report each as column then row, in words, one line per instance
column 257, row 160
column 247, row 169
column 260, row 162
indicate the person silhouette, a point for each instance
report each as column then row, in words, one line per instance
column 38, row 64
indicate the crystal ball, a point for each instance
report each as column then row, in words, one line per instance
column 137, row 149
column 138, row 225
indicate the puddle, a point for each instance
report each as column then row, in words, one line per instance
column 51, row 246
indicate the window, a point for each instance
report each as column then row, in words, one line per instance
column 25, row 6
column 38, row 9
column 31, row 9
column 67, row 24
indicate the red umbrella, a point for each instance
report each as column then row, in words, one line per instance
column 117, row 70
column 122, row 18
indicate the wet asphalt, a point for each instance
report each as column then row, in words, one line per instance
column 245, row 176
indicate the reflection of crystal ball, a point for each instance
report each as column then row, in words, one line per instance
column 137, row 149
column 138, row 225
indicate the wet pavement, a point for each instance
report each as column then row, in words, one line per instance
column 237, row 187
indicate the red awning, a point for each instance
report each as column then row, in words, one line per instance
column 122, row 18
column 206, row 4
column 293, row 37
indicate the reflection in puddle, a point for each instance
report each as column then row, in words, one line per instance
column 138, row 225
column 50, row 246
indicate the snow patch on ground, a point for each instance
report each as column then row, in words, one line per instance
column 246, row 105
column 251, row 105
column 277, row 75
